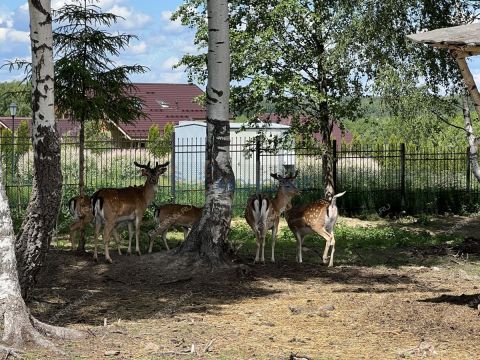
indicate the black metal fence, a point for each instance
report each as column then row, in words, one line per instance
column 383, row 179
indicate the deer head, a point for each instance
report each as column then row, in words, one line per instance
column 154, row 173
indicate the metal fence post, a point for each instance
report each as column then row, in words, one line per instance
column 469, row 172
column 172, row 171
column 402, row 177
column 257, row 165
column 334, row 164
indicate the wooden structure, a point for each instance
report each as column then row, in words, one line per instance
column 462, row 41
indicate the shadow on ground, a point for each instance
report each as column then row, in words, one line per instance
column 73, row 289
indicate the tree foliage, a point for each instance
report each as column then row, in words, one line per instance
column 159, row 144
column 314, row 60
column 89, row 85
column 18, row 93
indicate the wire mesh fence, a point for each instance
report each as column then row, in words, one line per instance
column 382, row 179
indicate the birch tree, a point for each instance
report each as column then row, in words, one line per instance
column 315, row 60
column 19, row 327
column 38, row 225
column 207, row 238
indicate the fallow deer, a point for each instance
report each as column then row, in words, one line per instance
column 263, row 213
column 81, row 210
column 113, row 206
column 317, row 217
column 170, row 215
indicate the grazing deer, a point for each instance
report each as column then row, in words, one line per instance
column 81, row 211
column 317, row 217
column 263, row 213
column 170, row 215
column 114, row 206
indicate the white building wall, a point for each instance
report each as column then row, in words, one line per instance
column 190, row 153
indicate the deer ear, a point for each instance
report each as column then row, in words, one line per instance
column 275, row 176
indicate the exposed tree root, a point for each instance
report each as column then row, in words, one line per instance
column 8, row 352
column 21, row 329
column 57, row 332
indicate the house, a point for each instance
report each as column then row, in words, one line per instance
column 163, row 103
column 64, row 126
column 190, row 137
column 341, row 136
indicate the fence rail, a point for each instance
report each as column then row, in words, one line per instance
column 380, row 179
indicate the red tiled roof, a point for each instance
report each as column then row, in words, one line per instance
column 63, row 125
column 164, row 103
column 346, row 137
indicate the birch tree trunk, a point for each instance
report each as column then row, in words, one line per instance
column 38, row 226
column 207, row 238
column 472, row 88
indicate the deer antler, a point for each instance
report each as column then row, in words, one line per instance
column 162, row 165
column 143, row 166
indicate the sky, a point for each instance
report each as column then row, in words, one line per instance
column 161, row 42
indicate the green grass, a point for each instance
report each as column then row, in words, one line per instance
column 385, row 244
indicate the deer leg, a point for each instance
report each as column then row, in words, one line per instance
column 73, row 228
column 130, row 237
column 81, row 242
column 327, row 236
column 299, row 247
column 98, row 225
column 164, row 236
column 138, row 222
column 262, row 238
column 107, row 232
column 117, row 240
column 257, row 239
column 274, row 237
column 186, row 231
column 332, row 244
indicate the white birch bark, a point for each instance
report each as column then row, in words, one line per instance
column 473, row 90
column 42, row 212
column 19, row 327
column 208, row 237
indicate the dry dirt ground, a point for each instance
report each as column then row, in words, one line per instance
column 152, row 307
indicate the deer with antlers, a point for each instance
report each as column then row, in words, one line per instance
column 317, row 217
column 171, row 215
column 113, row 206
column 263, row 213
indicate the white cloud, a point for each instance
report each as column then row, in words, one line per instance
column 131, row 18
column 169, row 25
column 138, row 49
column 12, row 35
column 6, row 20
column 168, row 64
column 171, row 77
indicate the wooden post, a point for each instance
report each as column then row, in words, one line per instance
column 402, row 177
column 257, row 165
column 172, row 171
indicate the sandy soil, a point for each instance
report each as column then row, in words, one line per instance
column 154, row 308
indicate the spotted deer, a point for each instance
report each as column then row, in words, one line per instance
column 173, row 215
column 114, row 206
column 317, row 217
column 263, row 213
column 81, row 211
